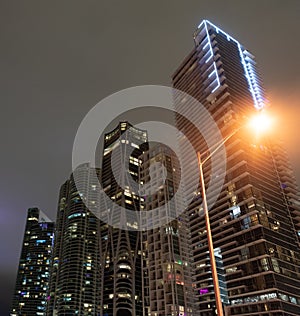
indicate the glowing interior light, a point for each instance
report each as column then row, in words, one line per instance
column 204, row 291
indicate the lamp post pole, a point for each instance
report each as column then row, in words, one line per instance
column 210, row 242
column 201, row 162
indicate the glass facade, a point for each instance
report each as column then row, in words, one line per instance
column 122, row 278
column 75, row 273
column 33, row 276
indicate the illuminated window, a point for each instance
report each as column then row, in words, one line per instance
column 275, row 226
column 74, row 215
column 235, row 211
column 275, row 265
column 124, row 266
column 265, row 264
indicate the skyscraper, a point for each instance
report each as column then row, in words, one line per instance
column 255, row 221
column 168, row 286
column 32, row 282
column 122, row 257
column 75, row 286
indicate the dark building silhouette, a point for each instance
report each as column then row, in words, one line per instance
column 32, row 282
column 255, row 221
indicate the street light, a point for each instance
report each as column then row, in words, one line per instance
column 260, row 123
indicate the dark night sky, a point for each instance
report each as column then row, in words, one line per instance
column 59, row 58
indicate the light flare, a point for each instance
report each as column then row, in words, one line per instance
column 261, row 123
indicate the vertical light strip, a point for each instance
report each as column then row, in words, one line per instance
column 252, row 82
column 250, row 73
column 212, row 56
column 257, row 88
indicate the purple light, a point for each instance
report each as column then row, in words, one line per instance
column 203, row 291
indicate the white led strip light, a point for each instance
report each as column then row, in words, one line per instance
column 250, row 72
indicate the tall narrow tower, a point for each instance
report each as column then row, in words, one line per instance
column 122, row 256
column 76, row 270
column 255, row 221
column 168, row 286
column 32, row 283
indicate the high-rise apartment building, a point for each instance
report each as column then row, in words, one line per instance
column 122, row 277
column 75, row 286
column 168, row 286
column 32, row 282
column 255, row 221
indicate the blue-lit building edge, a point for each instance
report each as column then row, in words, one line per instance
column 247, row 60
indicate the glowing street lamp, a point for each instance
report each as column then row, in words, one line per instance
column 260, row 122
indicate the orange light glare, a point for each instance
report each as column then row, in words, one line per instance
column 260, row 123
